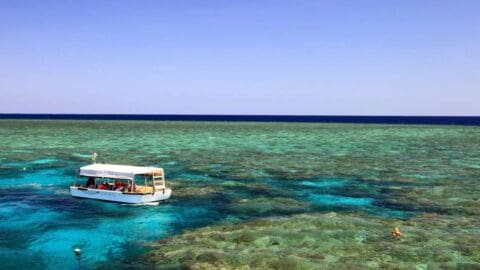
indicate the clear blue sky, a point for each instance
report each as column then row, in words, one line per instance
column 386, row 57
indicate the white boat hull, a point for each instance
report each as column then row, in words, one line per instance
column 118, row 196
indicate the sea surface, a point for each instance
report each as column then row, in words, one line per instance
column 428, row 120
column 245, row 194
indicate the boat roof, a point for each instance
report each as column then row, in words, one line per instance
column 117, row 171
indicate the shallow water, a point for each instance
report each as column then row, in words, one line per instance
column 233, row 174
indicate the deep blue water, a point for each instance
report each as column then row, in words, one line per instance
column 429, row 120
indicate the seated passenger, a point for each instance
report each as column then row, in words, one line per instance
column 130, row 188
column 118, row 185
column 103, row 186
column 90, row 182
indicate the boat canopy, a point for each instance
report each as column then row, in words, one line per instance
column 118, row 171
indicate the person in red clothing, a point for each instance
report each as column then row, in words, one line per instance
column 103, row 186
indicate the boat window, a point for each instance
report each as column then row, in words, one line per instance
column 111, row 184
column 146, row 179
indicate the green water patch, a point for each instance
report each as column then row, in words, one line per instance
column 37, row 178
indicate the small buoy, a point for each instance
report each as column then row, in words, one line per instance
column 24, row 168
column 77, row 251
column 396, row 232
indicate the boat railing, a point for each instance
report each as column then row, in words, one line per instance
column 158, row 180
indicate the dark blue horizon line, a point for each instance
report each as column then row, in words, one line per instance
column 366, row 119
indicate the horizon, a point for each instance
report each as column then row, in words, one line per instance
column 272, row 115
column 352, row 119
column 345, row 58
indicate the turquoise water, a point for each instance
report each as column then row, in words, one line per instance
column 233, row 174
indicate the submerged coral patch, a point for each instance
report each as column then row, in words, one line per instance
column 326, row 241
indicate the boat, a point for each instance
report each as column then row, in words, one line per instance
column 122, row 183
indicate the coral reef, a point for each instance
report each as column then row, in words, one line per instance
column 324, row 241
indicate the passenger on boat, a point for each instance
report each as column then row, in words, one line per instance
column 129, row 188
column 90, row 182
column 103, row 186
column 118, row 185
